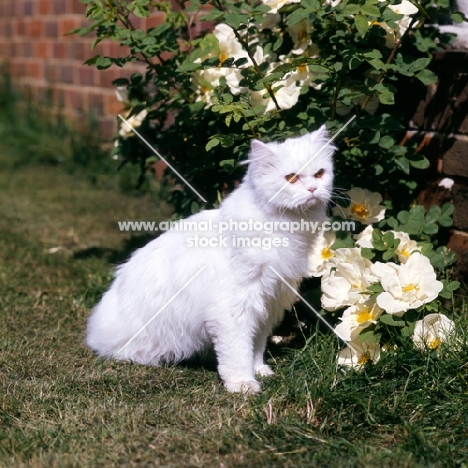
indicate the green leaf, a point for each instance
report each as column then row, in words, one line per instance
column 458, row 17
column 297, row 16
column 432, row 306
column 213, row 15
column 389, row 319
column 421, row 163
column 433, row 214
column 453, row 285
column 426, row 77
column 403, row 216
column 375, row 288
column 431, row 228
column 386, row 142
column 419, row 64
column 212, row 143
column 403, row 164
column 367, row 253
column 103, row 62
column 227, row 162
column 362, row 24
column 447, row 209
column 370, row 10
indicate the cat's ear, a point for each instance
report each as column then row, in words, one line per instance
column 320, row 135
column 262, row 153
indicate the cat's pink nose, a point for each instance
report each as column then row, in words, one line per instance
column 312, row 189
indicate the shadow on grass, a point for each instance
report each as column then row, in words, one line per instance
column 116, row 256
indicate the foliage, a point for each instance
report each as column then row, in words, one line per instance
column 270, row 70
column 382, row 285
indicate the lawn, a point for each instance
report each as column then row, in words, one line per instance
column 61, row 406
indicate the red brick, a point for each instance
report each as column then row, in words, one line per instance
column 26, row 49
column 43, row 49
column 35, row 28
column 106, row 77
column 460, row 203
column 74, row 99
column 60, row 50
column 8, row 29
column 28, row 8
column 66, row 73
column 78, row 7
column 51, row 72
column 20, row 27
column 35, row 69
column 111, row 105
column 51, row 28
column 80, row 50
column 66, row 25
column 87, row 76
column 455, row 156
column 458, row 242
column 8, row 9
column 60, row 6
column 44, row 7
column 113, row 49
column 17, row 8
column 155, row 20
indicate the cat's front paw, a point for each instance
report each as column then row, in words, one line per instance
column 249, row 386
column 264, row 370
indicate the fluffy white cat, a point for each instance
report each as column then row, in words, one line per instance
column 173, row 298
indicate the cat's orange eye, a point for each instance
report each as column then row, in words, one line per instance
column 292, row 178
column 319, row 173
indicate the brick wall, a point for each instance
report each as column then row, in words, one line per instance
column 42, row 59
column 439, row 119
column 45, row 61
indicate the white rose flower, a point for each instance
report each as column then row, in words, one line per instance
column 346, row 284
column 413, row 285
column 356, row 318
column 321, row 254
column 300, row 34
column 135, row 121
column 276, row 5
column 406, row 246
column 204, row 82
column 365, row 206
column 381, row 270
column 432, row 331
column 407, row 9
column 357, row 354
column 229, row 46
column 364, row 239
column 286, row 96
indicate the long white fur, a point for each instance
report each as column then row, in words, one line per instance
column 237, row 299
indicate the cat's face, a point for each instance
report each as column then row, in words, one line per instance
column 295, row 174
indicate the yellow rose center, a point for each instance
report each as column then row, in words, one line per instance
column 223, row 57
column 303, row 35
column 359, row 210
column 364, row 316
column 364, row 358
column 405, row 253
column 434, row 344
column 409, row 287
column 327, row 253
column 302, row 68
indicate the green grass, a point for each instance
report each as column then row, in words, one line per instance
column 61, row 406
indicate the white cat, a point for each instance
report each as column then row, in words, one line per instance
column 174, row 299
